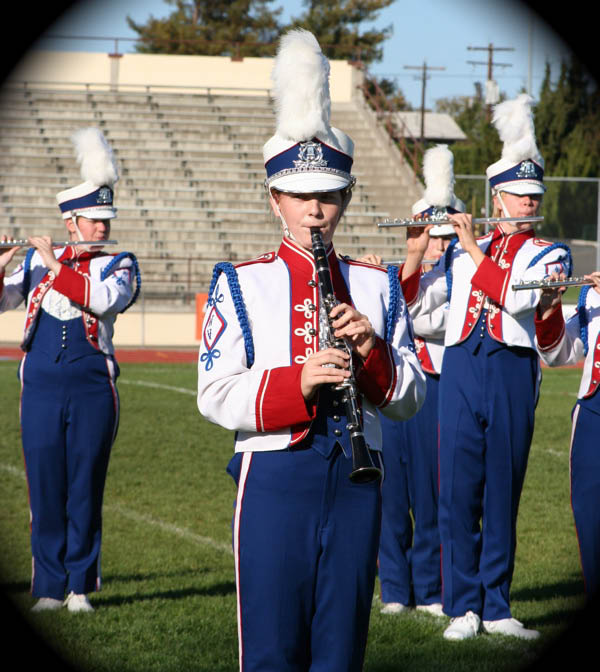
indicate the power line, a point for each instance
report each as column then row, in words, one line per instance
column 424, row 68
column 490, row 65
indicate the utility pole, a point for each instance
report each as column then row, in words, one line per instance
column 490, row 64
column 424, row 68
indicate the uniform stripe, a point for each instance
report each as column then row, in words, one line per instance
column 260, row 397
column 244, row 470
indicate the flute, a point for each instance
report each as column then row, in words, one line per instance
column 482, row 220
column 545, row 284
column 363, row 469
column 397, row 262
column 66, row 243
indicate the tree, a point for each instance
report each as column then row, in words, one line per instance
column 568, row 133
column 217, row 28
column 336, row 23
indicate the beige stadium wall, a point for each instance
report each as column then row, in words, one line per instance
column 182, row 73
column 133, row 329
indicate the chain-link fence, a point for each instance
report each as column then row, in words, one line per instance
column 571, row 210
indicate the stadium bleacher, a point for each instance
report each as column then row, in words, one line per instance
column 191, row 178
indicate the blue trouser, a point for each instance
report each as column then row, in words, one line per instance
column 585, row 488
column 305, row 540
column 487, row 400
column 410, row 557
column 69, row 417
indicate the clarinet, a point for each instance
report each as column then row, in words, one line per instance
column 363, row 469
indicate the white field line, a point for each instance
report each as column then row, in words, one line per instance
column 143, row 518
column 160, row 386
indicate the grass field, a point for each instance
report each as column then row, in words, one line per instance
column 168, row 596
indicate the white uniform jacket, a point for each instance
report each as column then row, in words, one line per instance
column 263, row 401
column 561, row 344
column 510, row 258
column 79, row 290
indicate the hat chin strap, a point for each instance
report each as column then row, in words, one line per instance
column 82, row 248
column 286, row 231
column 504, row 210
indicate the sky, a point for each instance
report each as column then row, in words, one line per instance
column 443, row 34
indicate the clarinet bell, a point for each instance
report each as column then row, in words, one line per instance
column 363, row 469
column 365, row 474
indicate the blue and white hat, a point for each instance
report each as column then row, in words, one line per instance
column 439, row 199
column 521, row 169
column 94, row 197
column 306, row 154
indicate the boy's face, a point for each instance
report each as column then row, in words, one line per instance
column 302, row 212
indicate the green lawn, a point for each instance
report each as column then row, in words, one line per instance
column 168, row 597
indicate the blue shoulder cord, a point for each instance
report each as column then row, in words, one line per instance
column 582, row 315
column 138, row 277
column 448, row 267
column 551, row 248
column 238, row 303
column 392, row 316
column 27, row 271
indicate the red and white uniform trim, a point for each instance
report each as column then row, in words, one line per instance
column 264, row 403
column 559, row 343
column 97, row 301
column 509, row 313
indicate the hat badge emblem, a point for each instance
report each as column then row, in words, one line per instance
column 526, row 170
column 104, row 196
column 310, row 155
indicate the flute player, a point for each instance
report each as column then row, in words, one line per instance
column 69, row 399
column 489, row 389
column 305, row 536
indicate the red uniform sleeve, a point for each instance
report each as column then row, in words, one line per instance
column 73, row 285
column 376, row 375
column 279, row 402
column 549, row 331
column 410, row 285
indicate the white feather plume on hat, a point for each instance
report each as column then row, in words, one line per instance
column 95, row 157
column 513, row 120
column 301, row 87
column 438, row 172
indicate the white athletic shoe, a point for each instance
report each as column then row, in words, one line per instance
column 78, row 603
column 47, row 604
column 393, row 608
column 511, row 627
column 463, row 627
column 434, row 609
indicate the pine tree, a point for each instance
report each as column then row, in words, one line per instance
column 336, row 24
column 219, row 28
column 568, row 132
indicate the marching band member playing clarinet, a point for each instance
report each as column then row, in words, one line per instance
column 69, row 400
column 490, row 382
column 563, row 344
column 305, row 535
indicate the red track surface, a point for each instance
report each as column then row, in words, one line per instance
column 127, row 355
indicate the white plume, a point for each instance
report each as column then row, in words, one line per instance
column 95, row 157
column 301, row 87
column 438, row 171
column 513, row 120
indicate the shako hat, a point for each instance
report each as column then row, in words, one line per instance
column 92, row 198
column 306, row 154
column 439, row 199
column 521, row 169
